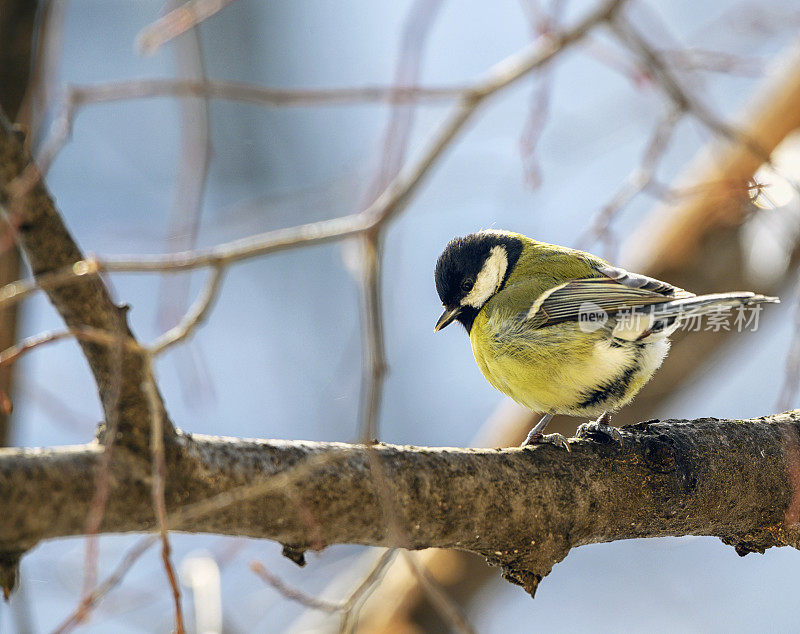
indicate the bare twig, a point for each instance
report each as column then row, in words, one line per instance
column 159, row 475
column 112, row 581
column 347, row 607
column 418, row 23
column 294, row 594
column 791, row 377
column 245, row 248
column 194, row 317
column 448, row 608
column 79, row 95
column 636, row 182
column 717, row 180
column 694, row 59
column 102, row 477
column 187, row 204
column 14, row 292
column 178, row 21
column 541, row 24
column 682, row 100
column 93, row 335
column 374, row 355
column 360, row 594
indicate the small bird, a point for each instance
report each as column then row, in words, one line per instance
column 562, row 331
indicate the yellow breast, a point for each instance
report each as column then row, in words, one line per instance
column 561, row 369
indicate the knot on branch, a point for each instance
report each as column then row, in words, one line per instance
column 9, row 571
column 525, row 578
column 295, row 554
column 527, row 568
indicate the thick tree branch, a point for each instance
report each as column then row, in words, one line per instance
column 49, row 247
column 521, row 508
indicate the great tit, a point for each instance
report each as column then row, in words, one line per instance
column 562, row 331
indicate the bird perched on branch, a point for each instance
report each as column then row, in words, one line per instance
column 562, row 331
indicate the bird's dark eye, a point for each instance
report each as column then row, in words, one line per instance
column 466, row 285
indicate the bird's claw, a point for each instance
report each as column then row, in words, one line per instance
column 595, row 430
column 556, row 440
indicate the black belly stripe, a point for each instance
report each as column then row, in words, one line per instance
column 613, row 389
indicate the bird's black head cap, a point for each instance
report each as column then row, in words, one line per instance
column 470, row 270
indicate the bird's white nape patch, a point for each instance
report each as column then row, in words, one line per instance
column 489, row 279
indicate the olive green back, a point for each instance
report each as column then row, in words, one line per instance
column 543, row 266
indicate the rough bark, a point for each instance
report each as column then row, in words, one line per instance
column 523, row 509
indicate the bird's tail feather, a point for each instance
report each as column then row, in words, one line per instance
column 705, row 304
column 658, row 321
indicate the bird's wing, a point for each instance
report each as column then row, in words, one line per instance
column 635, row 280
column 616, row 291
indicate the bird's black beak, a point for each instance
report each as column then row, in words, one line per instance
column 447, row 317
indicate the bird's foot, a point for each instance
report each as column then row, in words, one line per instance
column 550, row 439
column 600, row 431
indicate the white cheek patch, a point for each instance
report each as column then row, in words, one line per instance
column 489, row 278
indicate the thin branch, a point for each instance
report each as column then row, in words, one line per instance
column 159, row 476
column 374, row 354
column 682, row 100
column 194, row 317
column 93, row 335
column 187, row 202
column 108, row 584
column 245, row 248
column 694, row 59
column 79, row 95
column 348, row 607
column 446, row 607
column 791, row 375
column 717, row 180
column 178, row 21
column 416, row 29
column 540, row 23
column 102, row 477
column 354, row 602
column 14, row 292
column 636, row 182
column 294, row 594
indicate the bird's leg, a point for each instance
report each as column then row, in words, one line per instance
column 536, row 437
column 600, row 429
